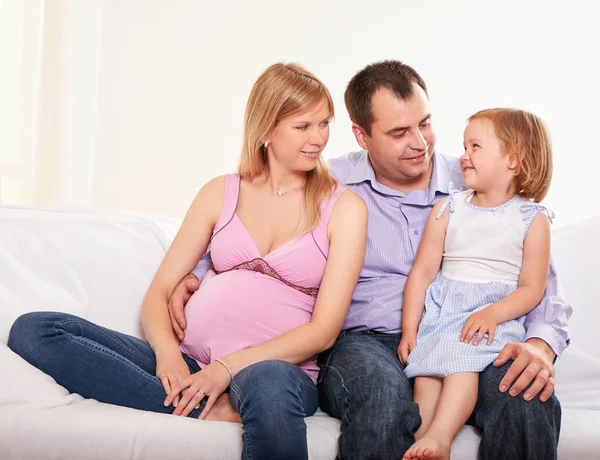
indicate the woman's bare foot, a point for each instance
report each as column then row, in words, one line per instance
column 223, row 411
column 428, row 448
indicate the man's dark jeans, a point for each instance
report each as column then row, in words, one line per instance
column 362, row 383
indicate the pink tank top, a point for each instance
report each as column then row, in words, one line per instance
column 246, row 299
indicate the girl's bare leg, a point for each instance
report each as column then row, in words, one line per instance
column 456, row 404
column 427, row 393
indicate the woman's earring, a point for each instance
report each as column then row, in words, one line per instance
column 266, row 144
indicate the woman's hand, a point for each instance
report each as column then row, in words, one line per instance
column 170, row 370
column 209, row 383
column 407, row 344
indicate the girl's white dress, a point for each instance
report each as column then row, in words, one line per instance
column 482, row 260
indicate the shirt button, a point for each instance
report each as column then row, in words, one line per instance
column 416, row 232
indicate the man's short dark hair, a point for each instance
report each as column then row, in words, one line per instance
column 393, row 75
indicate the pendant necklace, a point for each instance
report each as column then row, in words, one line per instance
column 283, row 192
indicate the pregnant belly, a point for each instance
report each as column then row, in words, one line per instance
column 240, row 309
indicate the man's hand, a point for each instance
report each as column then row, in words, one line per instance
column 181, row 294
column 532, row 363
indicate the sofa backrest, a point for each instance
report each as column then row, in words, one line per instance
column 576, row 251
column 98, row 264
column 93, row 263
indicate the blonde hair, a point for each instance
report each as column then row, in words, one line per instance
column 526, row 137
column 283, row 90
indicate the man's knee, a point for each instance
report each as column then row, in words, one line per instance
column 526, row 416
column 533, row 416
column 361, row 377
column 362, row 360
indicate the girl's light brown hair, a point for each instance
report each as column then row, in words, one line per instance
column 283, row 90
column 526, row 137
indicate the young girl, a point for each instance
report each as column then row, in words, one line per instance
column 493, row 244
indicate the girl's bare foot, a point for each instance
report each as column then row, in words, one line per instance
column 428, row 448
column 223, row 411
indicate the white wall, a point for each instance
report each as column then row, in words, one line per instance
column 166, row 82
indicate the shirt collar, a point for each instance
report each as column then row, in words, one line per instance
column 362, row 171
column 440, row 177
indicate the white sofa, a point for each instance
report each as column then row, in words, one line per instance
column 98, row 264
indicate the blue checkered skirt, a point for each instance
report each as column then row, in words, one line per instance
column 448, row 305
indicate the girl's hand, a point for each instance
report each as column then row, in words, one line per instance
column 480, row 323
column 170, row 370
column 209, row 383
column 407, row 344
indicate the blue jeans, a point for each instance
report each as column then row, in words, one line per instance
column 272, row 397
column 363, row 384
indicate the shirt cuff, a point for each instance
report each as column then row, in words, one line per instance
column 200, row 270
column 545, row 332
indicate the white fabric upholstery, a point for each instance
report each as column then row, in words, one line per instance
column 98, row 264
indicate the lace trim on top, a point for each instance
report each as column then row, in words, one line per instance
column 260, row 266
column 493, row 209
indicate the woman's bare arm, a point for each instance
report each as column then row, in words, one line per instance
column 184, row 253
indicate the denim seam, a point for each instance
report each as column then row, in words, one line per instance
column 300, row 398
column 104, row 350
column 237, row 390
column 246, row 438
column 346, row 403
column 329, row 355
column 99, row 331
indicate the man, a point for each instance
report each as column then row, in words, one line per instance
column 401, row 177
